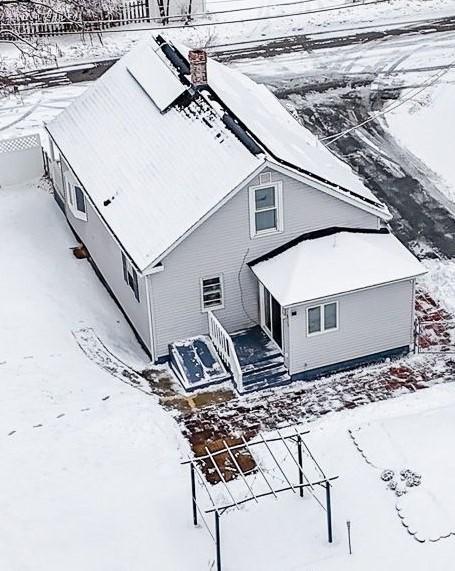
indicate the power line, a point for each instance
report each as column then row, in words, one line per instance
column 257, row 7
column 239, row 1
column 219, row 23
column 335, row 31
column 431, row 81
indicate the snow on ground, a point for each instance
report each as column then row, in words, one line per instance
column 227, row 27
column 94, row 483
column 425, row 125
column 28, row 112
column 91, row 466
column 440, row 282
column 407, row 443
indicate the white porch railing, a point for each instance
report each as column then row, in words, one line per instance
column 225, row 347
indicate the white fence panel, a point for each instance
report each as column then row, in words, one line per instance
column 21, row 159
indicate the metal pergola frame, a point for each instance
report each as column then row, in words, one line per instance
column 302, row 483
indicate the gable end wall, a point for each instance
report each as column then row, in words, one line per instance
column 222, row 245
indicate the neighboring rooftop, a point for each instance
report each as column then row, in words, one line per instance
column 149, row 148
column 334, row 264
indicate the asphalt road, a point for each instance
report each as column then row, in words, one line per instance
column 76, row 73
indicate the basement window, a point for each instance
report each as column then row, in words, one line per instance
column 212, row 293
column 322, row 318
column 266, row 210
column 130, row 276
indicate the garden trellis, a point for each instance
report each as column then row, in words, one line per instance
column 282, row 462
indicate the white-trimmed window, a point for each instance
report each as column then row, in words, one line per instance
column 76, row 200
column 130, row 276
column 266, row 209
column 322, row 318
column 212, row 293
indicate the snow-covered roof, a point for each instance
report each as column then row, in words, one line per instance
column 279, row 131
column 156, row 157
column 334, row 264
column 151, row 175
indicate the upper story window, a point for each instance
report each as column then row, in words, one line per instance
column 322, row 318
column 130, row 276
column 266, row 210
column 212, row 294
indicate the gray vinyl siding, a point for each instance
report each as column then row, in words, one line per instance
column 222, row 245
column 369, row 321
column 107, row 257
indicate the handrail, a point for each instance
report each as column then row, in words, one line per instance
column 225, row 346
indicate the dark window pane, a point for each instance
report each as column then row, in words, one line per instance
column 125, row 271
column 80, row 199
column 314, row 320
column 267, row 319
column 276, row 321
column 212, row 294
column 330, row 316
column 265, row 220
column 211, row 281
column 136, row 285
column 265, row 197
column 208, row 289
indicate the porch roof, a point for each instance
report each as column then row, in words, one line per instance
column 333, row 264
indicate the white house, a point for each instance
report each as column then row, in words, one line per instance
column 235, row 243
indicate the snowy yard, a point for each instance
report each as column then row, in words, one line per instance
column 408, row 443
column 89, row 464
column 90, row 473
column 91, row 477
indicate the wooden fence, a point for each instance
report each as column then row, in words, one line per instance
column 131, row 12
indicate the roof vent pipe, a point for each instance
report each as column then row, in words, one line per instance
column 198, row 67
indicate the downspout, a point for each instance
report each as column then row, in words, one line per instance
column 150, row 320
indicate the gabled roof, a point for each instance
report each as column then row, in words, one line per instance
column 281, row 135
column 151, row 175
column 157, row 156
column 334, row 262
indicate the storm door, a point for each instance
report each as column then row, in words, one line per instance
column 271, row 316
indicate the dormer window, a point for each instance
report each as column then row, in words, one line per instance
column 266, row 212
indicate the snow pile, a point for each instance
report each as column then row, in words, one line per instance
column 426, row 128
column 440, row 282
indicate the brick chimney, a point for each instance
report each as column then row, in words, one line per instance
column 198, row 67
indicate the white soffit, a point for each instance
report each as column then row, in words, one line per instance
column 158, row 80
